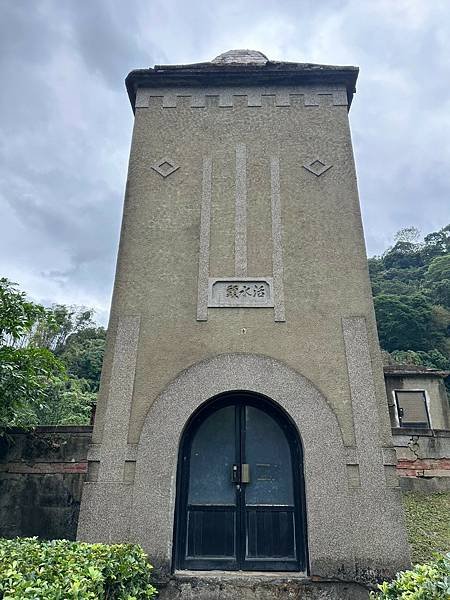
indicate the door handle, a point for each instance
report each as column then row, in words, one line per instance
column 241, row 475
column 245, row 473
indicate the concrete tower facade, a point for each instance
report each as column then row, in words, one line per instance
column 242, row 422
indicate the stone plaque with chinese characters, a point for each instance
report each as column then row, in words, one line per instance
column 248, row 292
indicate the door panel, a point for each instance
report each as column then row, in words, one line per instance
column 269, row 456
column 211, row 503
column 213, row 453
column 240, row 489
column 270, row 534
column 269, row 494
column 211, row 533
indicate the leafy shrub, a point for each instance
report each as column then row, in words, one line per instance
column 430, row 581
column 63, row 570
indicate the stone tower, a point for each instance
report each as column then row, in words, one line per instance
column 242, row 423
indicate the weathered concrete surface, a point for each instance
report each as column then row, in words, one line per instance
column 41, row 476
column 257, row 587
column 423, row 459
column 325, row 273
column 268, row 167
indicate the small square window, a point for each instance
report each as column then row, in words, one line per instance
column 412, row 409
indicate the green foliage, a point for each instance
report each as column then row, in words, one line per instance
column 437, row 280
column 404, row 322
column 17, row 314
column 403, row 255
column 68, row 401
column 83, row 353
column 411, row 288
column 60, row 323
column 63, row 570
column 50, row 362
column 429, row 581
column 427, row 523
column 26, row 373
column 433, row 359
column 436, row 244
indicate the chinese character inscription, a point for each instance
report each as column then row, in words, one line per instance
column 255, row 292
column 235, row 290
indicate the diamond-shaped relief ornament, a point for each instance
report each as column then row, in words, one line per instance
column 165, row 167
column 316, row 167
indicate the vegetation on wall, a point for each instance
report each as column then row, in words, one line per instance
column 60, row 569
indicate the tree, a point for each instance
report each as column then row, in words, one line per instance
column 403, row 255
column 411, row 289
column 17, row 314
column 404, row 322
column 436, row 244
column 50, row 361
column 83, row 353
column 407, row 234
column 59, row 322
column 25, row 373
column 437, row 280
column 68, row 401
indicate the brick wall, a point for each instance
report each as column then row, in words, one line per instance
column 423, row 459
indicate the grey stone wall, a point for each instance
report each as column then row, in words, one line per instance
column 41, row 476
column 229, row 586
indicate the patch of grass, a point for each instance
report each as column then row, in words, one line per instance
column 427, row 523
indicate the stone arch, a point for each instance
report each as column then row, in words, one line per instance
column 326, row 487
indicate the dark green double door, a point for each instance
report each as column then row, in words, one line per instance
column 240, row 489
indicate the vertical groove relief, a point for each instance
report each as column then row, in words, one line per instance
column 205, row 234
column 364, row 401
column 118, row 409
column 240, row 223
column 277, row 247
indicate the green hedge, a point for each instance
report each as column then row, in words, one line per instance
column 63, row 570
column 430, row 581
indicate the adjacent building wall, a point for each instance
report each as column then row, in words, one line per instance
column 435, row 392
column 423, row 459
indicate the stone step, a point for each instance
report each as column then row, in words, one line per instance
column 256, row 586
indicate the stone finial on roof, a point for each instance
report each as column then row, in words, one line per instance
column 241, row 57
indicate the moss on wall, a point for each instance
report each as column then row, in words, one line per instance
column 428, row 523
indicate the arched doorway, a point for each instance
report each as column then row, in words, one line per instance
column 240, row 502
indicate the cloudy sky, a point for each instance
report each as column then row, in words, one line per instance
column 66, row 122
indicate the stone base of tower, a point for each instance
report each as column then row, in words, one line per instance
column 257, row 586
